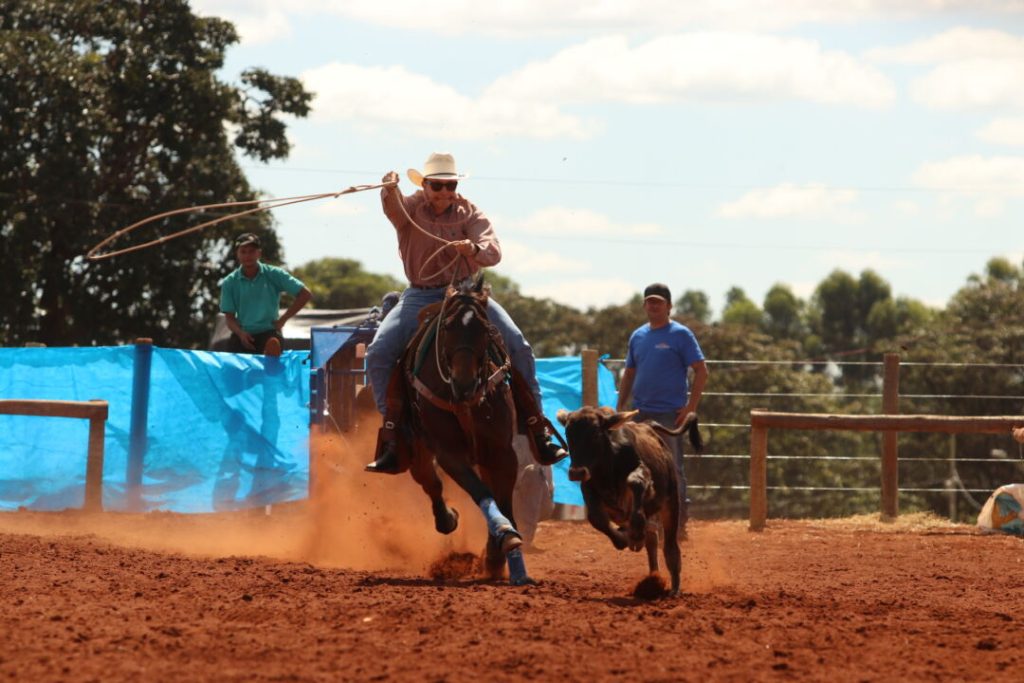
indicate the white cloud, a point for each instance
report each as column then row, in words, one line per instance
column 973, row 68
column 258, row 21
column 708, row 66
column 986, row 181
column 584, row 292
column 526, row 19
column 525, row 103
column 377, row 96
column 960, row 43
column 517, row 258
column 557, row 221
column 972, row 83
column 1004, row 132
column 787, row 200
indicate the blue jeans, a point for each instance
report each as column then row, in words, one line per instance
column 401, row 323
column 675, row 444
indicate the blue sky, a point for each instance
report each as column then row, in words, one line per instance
column 702, row 144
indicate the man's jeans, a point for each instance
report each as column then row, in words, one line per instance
column 400, row 325
column 675, row 444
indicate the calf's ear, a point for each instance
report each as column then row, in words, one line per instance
column 618, row 419
column 562, row 416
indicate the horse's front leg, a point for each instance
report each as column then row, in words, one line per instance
column 503, row 539
column 500, row 476
column 446, row 519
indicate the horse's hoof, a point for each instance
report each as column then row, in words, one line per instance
column 522, row 581
column 448, row 523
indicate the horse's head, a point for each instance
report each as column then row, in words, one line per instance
column 463, row 338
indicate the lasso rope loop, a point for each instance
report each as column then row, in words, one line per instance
column 95, row 254
column 262, row 205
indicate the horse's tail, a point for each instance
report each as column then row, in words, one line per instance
column 690, row 426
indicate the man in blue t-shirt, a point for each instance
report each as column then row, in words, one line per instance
column 249, row 299
column 660, row 355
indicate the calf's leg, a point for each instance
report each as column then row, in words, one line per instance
column 639, row 483
column 670, row 526
column 598, row 518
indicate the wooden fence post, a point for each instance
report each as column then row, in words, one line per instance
column 758, row 476
column 96, row 412
column 588, row 357
column 890, row 454
column 94, row 462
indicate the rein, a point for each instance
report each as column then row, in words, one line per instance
column 502, row 364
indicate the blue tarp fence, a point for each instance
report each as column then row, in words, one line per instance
column 219, row 431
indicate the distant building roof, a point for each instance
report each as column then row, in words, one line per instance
column 297, row 330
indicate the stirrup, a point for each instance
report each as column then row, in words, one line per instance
column 548, row 449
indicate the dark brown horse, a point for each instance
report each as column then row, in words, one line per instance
column 463, row 419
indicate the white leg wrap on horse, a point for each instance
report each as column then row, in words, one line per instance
column 497, row 523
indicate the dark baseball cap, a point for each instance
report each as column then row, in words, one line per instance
column 247, row 238
column 658, row 290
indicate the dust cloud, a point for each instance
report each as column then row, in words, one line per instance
column 353, row 520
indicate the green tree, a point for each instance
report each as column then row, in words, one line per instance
column 342, row 283
column 111, row 111
column 783, row 313
column 553, row 329
column 693, row 304
column 1001, row 269
column 836, row 316
column 979, row 341
column 891, row 319
column 608, row 328
column 740, row 310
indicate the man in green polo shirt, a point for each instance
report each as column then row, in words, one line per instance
column 249, row 299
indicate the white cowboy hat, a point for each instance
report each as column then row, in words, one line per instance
column 439, row 166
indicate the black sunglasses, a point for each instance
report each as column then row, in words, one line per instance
column 437, row 185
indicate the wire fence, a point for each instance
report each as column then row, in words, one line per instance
column 944, row 473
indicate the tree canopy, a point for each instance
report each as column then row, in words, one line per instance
column 112, row 111
column 342, row 283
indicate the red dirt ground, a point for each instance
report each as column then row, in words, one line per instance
column 263, row 598
column 360, row 587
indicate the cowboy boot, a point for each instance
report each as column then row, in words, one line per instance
column 387, row 459
column 546, row 450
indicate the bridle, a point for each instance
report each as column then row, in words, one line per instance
column 463, row 301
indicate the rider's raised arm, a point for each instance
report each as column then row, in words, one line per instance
column 480, row 231
column 391, row 198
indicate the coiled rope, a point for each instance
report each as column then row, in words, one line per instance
column 96, row 253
